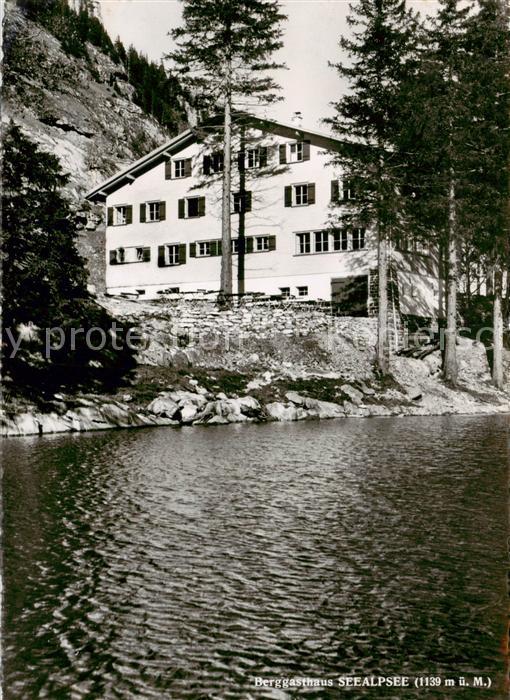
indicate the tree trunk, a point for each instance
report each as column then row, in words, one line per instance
column 226, row 235
column 383, row 350
column 450, row 368
column 497, row 324
column 241, row 239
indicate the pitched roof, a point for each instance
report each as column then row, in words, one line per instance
column 189, row 136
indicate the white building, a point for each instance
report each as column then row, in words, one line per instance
column 164, row 223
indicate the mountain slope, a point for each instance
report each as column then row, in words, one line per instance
column 80, row 109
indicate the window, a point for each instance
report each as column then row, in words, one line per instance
column 242, row 202
column 153, row 211
column 179, row 168
column 346, row 190
column 191, row 207
column 302, row 291
column 203, row 249
column 235, row 246
column 358, row 238
column 120, row 216
column 134, row 254
column 300, row 195
column 321, row 241
column 295, row 152
column 261, row 243
column 340, row 240
column 252, row 159
column 285, row 292
column 303, row 243
column 213, row 163
column 172, row 254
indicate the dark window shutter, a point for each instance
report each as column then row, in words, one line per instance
column 161, row 256
column 335, row 190
column 129, row 214
column 181, row 208
column 263, row 156
column 182, row 254
column 110, row 216
column 201, row 206
column 311, row 193
column 306, row 150
column 237, row 202
column 288, row 196
column 283, row 153
column 272, row 242
column 247, row 201
column 193, row 250
column 113, row 257
column 146, row 254
column 168, row 169
column 240, row 161
column 162, row 211
column 249, row 244
column 207, row 165
column 187, row 167
column 143, row 209
column 218, row 247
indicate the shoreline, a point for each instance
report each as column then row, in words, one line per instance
column 181, row 408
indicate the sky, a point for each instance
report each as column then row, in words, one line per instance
column 312, row 32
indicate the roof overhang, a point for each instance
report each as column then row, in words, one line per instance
column 186, row 138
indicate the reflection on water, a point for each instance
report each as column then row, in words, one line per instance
column 182, row 563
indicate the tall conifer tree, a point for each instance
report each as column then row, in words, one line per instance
column 378, row 57
column 223, row 56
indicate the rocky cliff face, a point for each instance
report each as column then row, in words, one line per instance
column 81, row 110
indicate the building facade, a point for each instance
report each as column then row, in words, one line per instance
column 164, row 223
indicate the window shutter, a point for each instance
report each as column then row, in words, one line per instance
column 240, row 161
column 181, row 208
column 247, row 201
column 146, row 254
column 335, row 190
column 182, row 254
column 161, row 256
column 193, row 250
column 201, row 206
column 207, row 165
column 306, row 150
column 142, row 213
column 263, row 156
column 110, row 216
column 168, row 169
column 311, row 193
column 249, row 244
column 288, row 196
column 283, row 153
column 129, row 214
column 218, row 248
column 162, row 211
column 113, row 257
column 272, row 242
column 237, row 202
column 187, row 167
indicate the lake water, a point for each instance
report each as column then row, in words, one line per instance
column 185, row 563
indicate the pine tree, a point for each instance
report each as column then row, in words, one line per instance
column 223, row 56
column 379, row 54
column 487, row 80
column 437, row 149
column 43, row 275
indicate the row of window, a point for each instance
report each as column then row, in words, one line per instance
column 307, row 243
column 299, row 195
column 248, row 159
column 175, row 253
